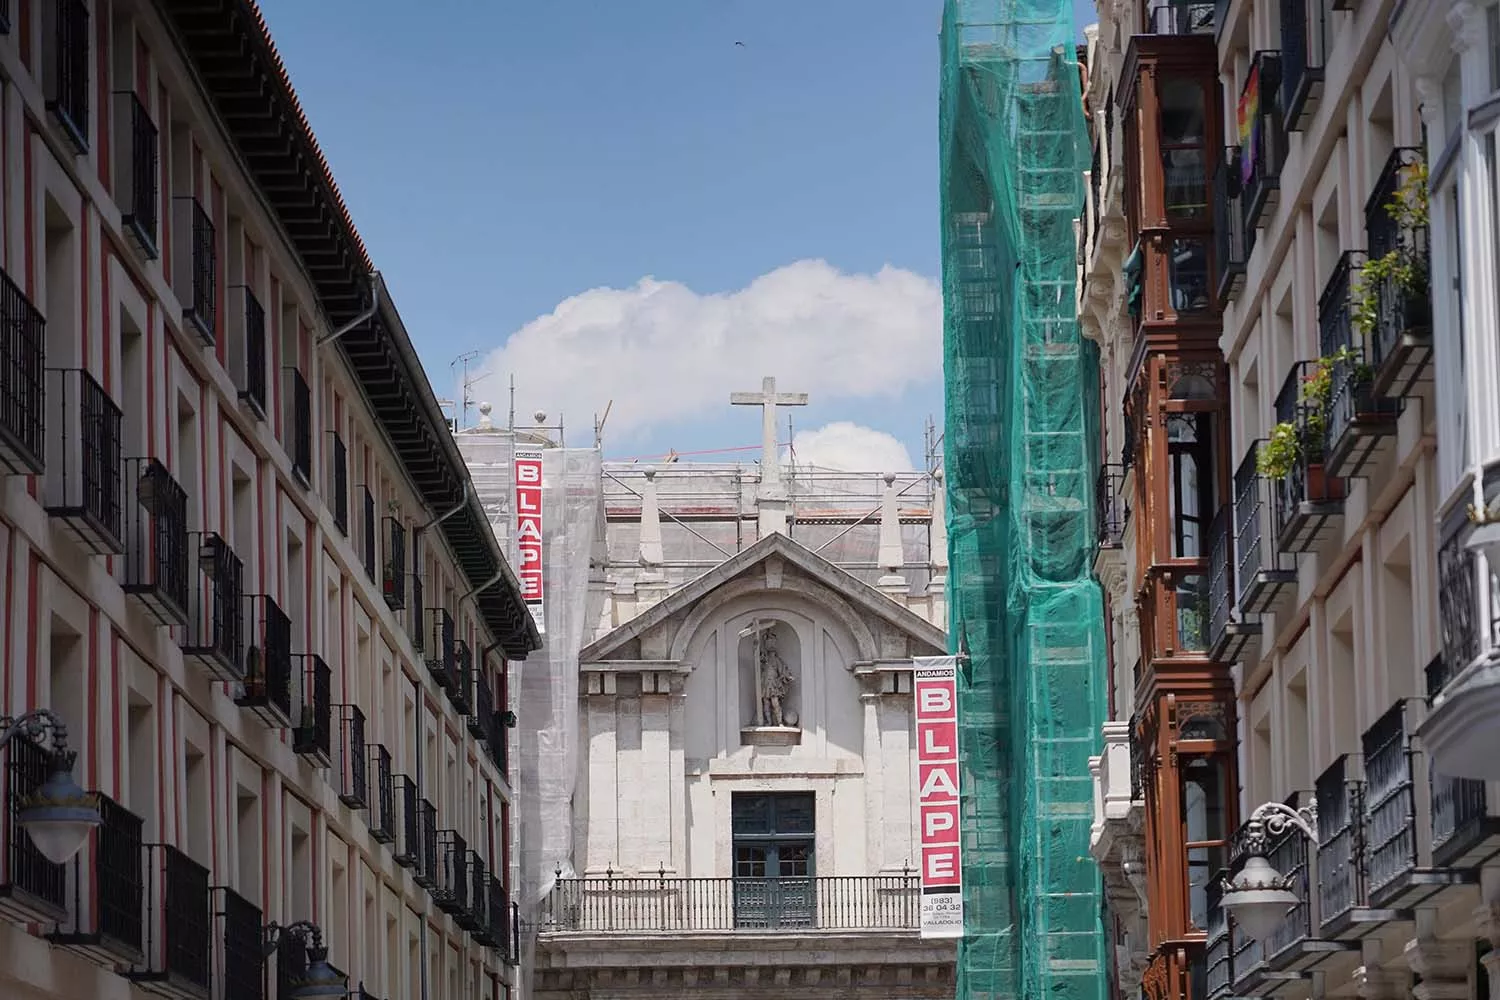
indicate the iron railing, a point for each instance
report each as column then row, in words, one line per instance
column 442, row 659
column 267, row 685
column 85, row 459
column 1260, row 570
column 1231, row 249
column 1182, row 19
column 1288, row 854
column 1351, row 405
column 105, row 885
column 215, row 634
column 1220, row 581
column 1218, row 957
column 66, row 75
column 460, row 693
column 156, row 540
column 1460, row 814
column 494, row 930
column 1306, row 482
column 198, row 269
column 1458, row 601
column 253, row 387
column 408, row 841
column 427, row 857
column 1341, row 869
column 299, row 432
column 339, row 494
column 657, row 903
column 23, row 344
column 1113, row 507
column 178, row 916
column 418, row 619
column 312, row 737
column 1261, row 162
column 475, row 912
column 27, row 872
column 137, row 173
column 382, row 818
column 393, row 578
column 1304, row 51
column 1390, row 803
column 367, row 536
column 353, row 758
column 1400, row 346
column 479, row 719
column 451, row 887
column 244, row 970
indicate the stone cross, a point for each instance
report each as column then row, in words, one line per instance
column 770, row 460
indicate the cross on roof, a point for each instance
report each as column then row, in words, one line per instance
column 768, row 399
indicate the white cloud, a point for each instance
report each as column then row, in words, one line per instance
column 848, row 447
column 665, row 353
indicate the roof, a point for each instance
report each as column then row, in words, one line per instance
column 858, row 593
column 229, row 47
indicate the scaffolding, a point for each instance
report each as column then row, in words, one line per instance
column 1020, row 439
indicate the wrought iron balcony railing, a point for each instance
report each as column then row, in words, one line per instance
column 85, row 464
column 32, row 889
column 427, row 840
column 339, row 488
column 1341, row 857
column 1458, row 602
column 137, row 173
column 1231, row 245
column 1304, row 52
column 1113, row 507
column 383, row 817
column 493, row 932
column 196, row 252
column 267, row 686
column 461, row 692
column 65, row 69
column 23, row 345
column 367, row 534
column 442, row 658
column 418, row 619
column 480, row 719
column 105, row 885
column 251, row 354
column 1181, row 19
column 1262, row 158
column 178, row 943
column 657, row 903
column 1390, row 806
column 393, row 577
column 155, row 567
column 450, row 889
column 1307, row 498
column 476, row 898
column 1229, row 633
column 1400, row 346
column 408, row 842
column 299, row 426
column 312, row 736
column 352, row 758
column 215, row 634
column 1465, row 829
column 1218, row 956
column 1264, row 576
column 1356, row 425
column 243, row 935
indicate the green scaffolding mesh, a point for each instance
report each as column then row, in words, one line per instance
column 1021, row 387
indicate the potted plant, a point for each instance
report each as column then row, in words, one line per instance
column 1401, row 268
column 1291, row 441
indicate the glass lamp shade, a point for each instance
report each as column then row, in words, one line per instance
column 1258, row 898
column 59, row 815
column 321, row 981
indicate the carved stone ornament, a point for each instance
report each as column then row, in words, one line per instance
column 1465, row 25
column 1430, row 95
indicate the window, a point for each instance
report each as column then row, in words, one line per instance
column 1183, row 156
column 1190, row 461
column 1204, row 786
column 773, row 859
column 1187, row 274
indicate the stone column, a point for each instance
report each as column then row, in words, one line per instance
column 602, row 840
column 1443, row 966
column 892, row 557
column 650, row 582
column 1487, row 918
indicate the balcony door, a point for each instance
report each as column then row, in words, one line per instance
column 773, row 860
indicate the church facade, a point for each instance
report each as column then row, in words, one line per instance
column 743, row 817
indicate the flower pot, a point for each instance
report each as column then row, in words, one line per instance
column 1321, row 486
column 1416, row 312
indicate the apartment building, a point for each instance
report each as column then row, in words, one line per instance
column 243, row 561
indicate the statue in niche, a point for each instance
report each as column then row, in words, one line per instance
column 774, row 678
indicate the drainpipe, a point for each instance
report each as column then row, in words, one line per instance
column 499, row 575
column 356, row 321
column 468, row 487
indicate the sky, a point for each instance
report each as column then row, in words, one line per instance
column 618, row 204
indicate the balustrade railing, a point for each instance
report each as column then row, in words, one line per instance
column 85, row 459
column 155, row 567
column 1341, row 862
column 353, row 761
column 383, row 815
column 1389, row 803
column 65, row 76
column 23, row 343
column 267, row 685
column 243, row 933
column 137, row 173
column 312, row 736
column 215, row 634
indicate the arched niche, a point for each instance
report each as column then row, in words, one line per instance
column 771, row 674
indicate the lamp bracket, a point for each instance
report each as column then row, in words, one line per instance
column 302, row 930
column 35, row 725
column 1272, row 820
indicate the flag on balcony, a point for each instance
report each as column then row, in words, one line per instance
column 1249, row 124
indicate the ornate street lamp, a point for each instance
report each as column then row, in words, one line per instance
column 59, row 815
column 1259, row 897
column 319, row 981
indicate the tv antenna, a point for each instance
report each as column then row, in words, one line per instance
column 467, row 398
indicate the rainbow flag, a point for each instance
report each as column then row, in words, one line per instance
column 1249, row 124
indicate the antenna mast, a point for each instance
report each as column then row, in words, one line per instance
column 466, row 400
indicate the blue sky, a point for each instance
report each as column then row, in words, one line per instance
column 500, row 158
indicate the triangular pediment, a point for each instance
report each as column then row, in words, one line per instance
column 767, row 560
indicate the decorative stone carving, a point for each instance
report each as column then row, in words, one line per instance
column 1430, row 95
column 1465, row 26
column 1443, row 966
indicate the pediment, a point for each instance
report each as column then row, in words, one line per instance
column 774, row 564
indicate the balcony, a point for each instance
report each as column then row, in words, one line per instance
column 461, row 693
column 418, row 619
column 1229, row 637
column 408, row 840
column 312, row 737
column 22, row 359
column 1465, row 824
column 1399, row 337
column 352, row 758
column 451, row 891
column 442, row 660
column 1232, row 249
column 1304, row 52
column 215, row 634
column 1181, row 19
column 494, row 932
column 1463, row 683
column 475, row 915
column 1265, row 577
column 155, row 567
column 393, row 577
column 687, row 905
column 512, row 932
column 196, row 253
column 367, row 535
column 178, row 904
column 266, row 689
column 244, row 942
column 1113, row 507
column 1358, row 427
column 1262, row 158
column 105, row 887
column 84, row 460
column 32, row 889
column 481, row 720
column 1117, row 801
column 299, row 426
column 65, row 71
column 427, row 874
column 338, row 492
column 382, row 818
column 137, row 173
column 1218, row 956
column 247, row 358
column 1341, row 869
column 1306, row 499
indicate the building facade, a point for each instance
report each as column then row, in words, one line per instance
column 1346, row 606
column 243, row 559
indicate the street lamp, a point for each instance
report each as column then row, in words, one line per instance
column 59, row 815
column 319, row 981
column 1259, row 897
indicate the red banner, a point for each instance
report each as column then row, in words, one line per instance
column 936, row 690
column 529, row 531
